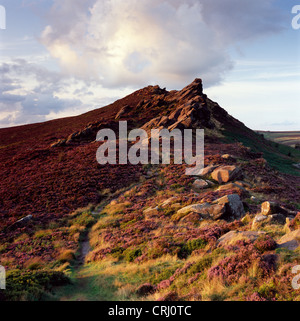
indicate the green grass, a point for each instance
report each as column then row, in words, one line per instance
column 278, row 156
column 109, row 280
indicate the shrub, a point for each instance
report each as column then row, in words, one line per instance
column 201, row 265
column 131, row 255
column 117, row 252
column 265, row 243
column 190, row 246
column 32, row 285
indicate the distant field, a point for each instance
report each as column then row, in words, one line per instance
column 286, row 138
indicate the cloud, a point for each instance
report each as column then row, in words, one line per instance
column 29, row 93
column 169, row 42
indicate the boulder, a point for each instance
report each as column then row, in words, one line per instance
column 231, row 186
column 224, row 174
column 290, row 241
column 234, row 236
column 24, row 220
column 199, row 185
column 191, row 218
column 268, row 219
column 167, row 202
column 228, row 157
column 231, row 207
column 150, row 212
column 197, row 208
column 268, row 208
column 206, row 170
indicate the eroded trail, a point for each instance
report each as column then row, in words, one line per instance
column 83, row 274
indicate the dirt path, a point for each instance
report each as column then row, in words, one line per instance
column 82, row 288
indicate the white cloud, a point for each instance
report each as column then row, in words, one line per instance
column 169, row 42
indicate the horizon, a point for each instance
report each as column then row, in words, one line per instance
column 63, row 59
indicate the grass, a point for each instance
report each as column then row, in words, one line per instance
column 110, row 280
column 278, row 156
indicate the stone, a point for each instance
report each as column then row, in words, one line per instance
column 290, row 241
column 124, row 110
column 151, row 211
column 199, row 185
column 24, row 220
column 268, row 219
column 268, row 208
column 234, row 208
column 224, row 174
column 197, row 208
column 206, row 170
column 230, row 186
column 191, row 218
column 234, row 236
column 167, row 202
column 228, row 156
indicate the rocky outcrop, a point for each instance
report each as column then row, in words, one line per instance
column 191, row 110
column 123, row 111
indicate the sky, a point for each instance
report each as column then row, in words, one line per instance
column 62, row 58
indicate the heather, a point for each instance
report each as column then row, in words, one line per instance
column 148, row 232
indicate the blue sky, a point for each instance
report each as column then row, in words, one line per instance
column 63, row 58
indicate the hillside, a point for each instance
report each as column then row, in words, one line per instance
column 148, row 232
column 290, row 138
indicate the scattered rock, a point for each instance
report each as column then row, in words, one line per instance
column 268, row 208
column 268, row 219
column 234, row 236
column 224, row 174
column 192, row 218
column 234, row 208
column 297, row 166
column 290, row 241
column 145, row 289
column 167, row 202
column 23, row 221
column 150, row 212
column 228, row 157
column 230, row 186
column 124, row 110
column 60, row 142
column 206, row 170
column 229, row 208
column 197, row 208
column 199, row 185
